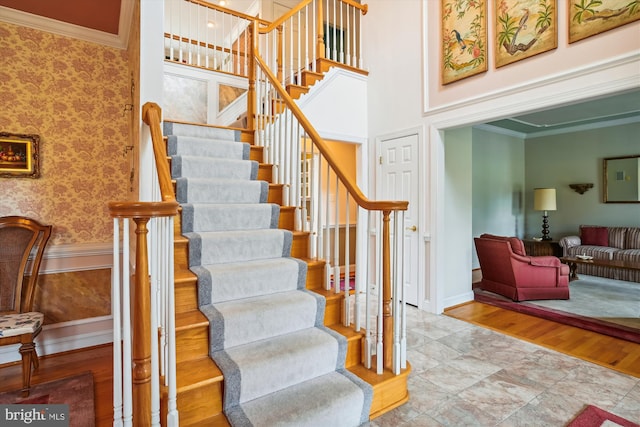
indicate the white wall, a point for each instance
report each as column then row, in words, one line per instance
column 457, row 217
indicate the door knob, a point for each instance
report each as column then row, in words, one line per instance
column 414, row 228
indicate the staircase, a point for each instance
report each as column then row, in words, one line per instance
column 233, row 249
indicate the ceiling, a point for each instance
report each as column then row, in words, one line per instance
column 99, row 21
column 108, row 22
column 606, row 111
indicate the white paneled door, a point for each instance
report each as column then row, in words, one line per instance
column 399, row 172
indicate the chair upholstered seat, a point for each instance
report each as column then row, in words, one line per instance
column 20, row 323
column 508, row 271
column 22, row 244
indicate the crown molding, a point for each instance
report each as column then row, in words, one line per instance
column 118, row 41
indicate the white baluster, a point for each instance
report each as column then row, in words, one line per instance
column 117, row 327
column 127, row 385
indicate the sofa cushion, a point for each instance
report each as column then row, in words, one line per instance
column 617, row 237
column 632, row 255
column 632, row 238
column 598, row 252
column 517, row 245
column 594, row 236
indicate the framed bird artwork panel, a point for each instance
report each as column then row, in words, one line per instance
column 524, row 28
column 464, row 39
column 590, row 17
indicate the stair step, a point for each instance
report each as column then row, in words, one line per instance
column 186, row 294
column 199, row 390
column 192, row 336
column 294, row 408
column 275, row 194
column 389, row 390
column 256, row 153
column 296, row 91
column 287, row 217
column 355, row 341
column 265, row 172
column 300, row 245
column 215, row 421
column 263, row 375
column 309, row 78
column 231, row 318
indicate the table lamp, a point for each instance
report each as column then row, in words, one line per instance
column 544, row 199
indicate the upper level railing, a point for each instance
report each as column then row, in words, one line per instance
column 205, row 35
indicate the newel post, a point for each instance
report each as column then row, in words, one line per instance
column 387, row 315
column 141, row 350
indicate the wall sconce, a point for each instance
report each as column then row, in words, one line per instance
column 544, row 199
column 580, row 188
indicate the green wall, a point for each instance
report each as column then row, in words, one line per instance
column 577, row 157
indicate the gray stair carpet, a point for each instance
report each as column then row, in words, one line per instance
column 281, row 365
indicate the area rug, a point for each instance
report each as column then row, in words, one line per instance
column 75, row 391
column 592, row 416
column 598, row 324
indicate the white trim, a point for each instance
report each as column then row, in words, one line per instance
column 118, row 41
column 619, row 74
column 458, row 299
column 569, row 129
column 66, row 336
column 77, row 257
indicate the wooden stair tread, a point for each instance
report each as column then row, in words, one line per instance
column 191, row 319
column 215, row 421
column 196, row 372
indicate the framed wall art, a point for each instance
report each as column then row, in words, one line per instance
column 19, row 155
column 524, row 28
column 463, row 38
column 590, row 17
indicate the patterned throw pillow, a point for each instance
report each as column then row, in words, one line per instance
column 594, row 236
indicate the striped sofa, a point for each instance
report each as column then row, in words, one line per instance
column 613, row 243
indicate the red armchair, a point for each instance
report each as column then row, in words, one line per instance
column 508, row 271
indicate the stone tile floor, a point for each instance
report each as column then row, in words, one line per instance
column 465, row 375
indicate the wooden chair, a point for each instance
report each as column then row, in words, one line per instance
column 22, row 244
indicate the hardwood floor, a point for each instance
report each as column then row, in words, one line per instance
column 617, row 354
column 614, row 353
column 98, row 360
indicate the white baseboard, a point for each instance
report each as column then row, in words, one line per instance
column 458, row 299
column 66, row 336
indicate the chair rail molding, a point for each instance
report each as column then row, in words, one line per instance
column 77, row 257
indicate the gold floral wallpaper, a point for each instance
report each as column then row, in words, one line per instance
column 73, row 94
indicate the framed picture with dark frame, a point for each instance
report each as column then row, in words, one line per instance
column 463, row 39
column 589, row 17
column 524, row 28
column 19, row 155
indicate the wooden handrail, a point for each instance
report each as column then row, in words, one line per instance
column 227, row 11
column 151, row 115
column 352, row 188
column 275, row 24
column 205, row 45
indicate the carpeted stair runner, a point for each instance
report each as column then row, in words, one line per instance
column 281, row 366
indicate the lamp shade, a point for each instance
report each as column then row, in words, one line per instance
column 544, row 199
